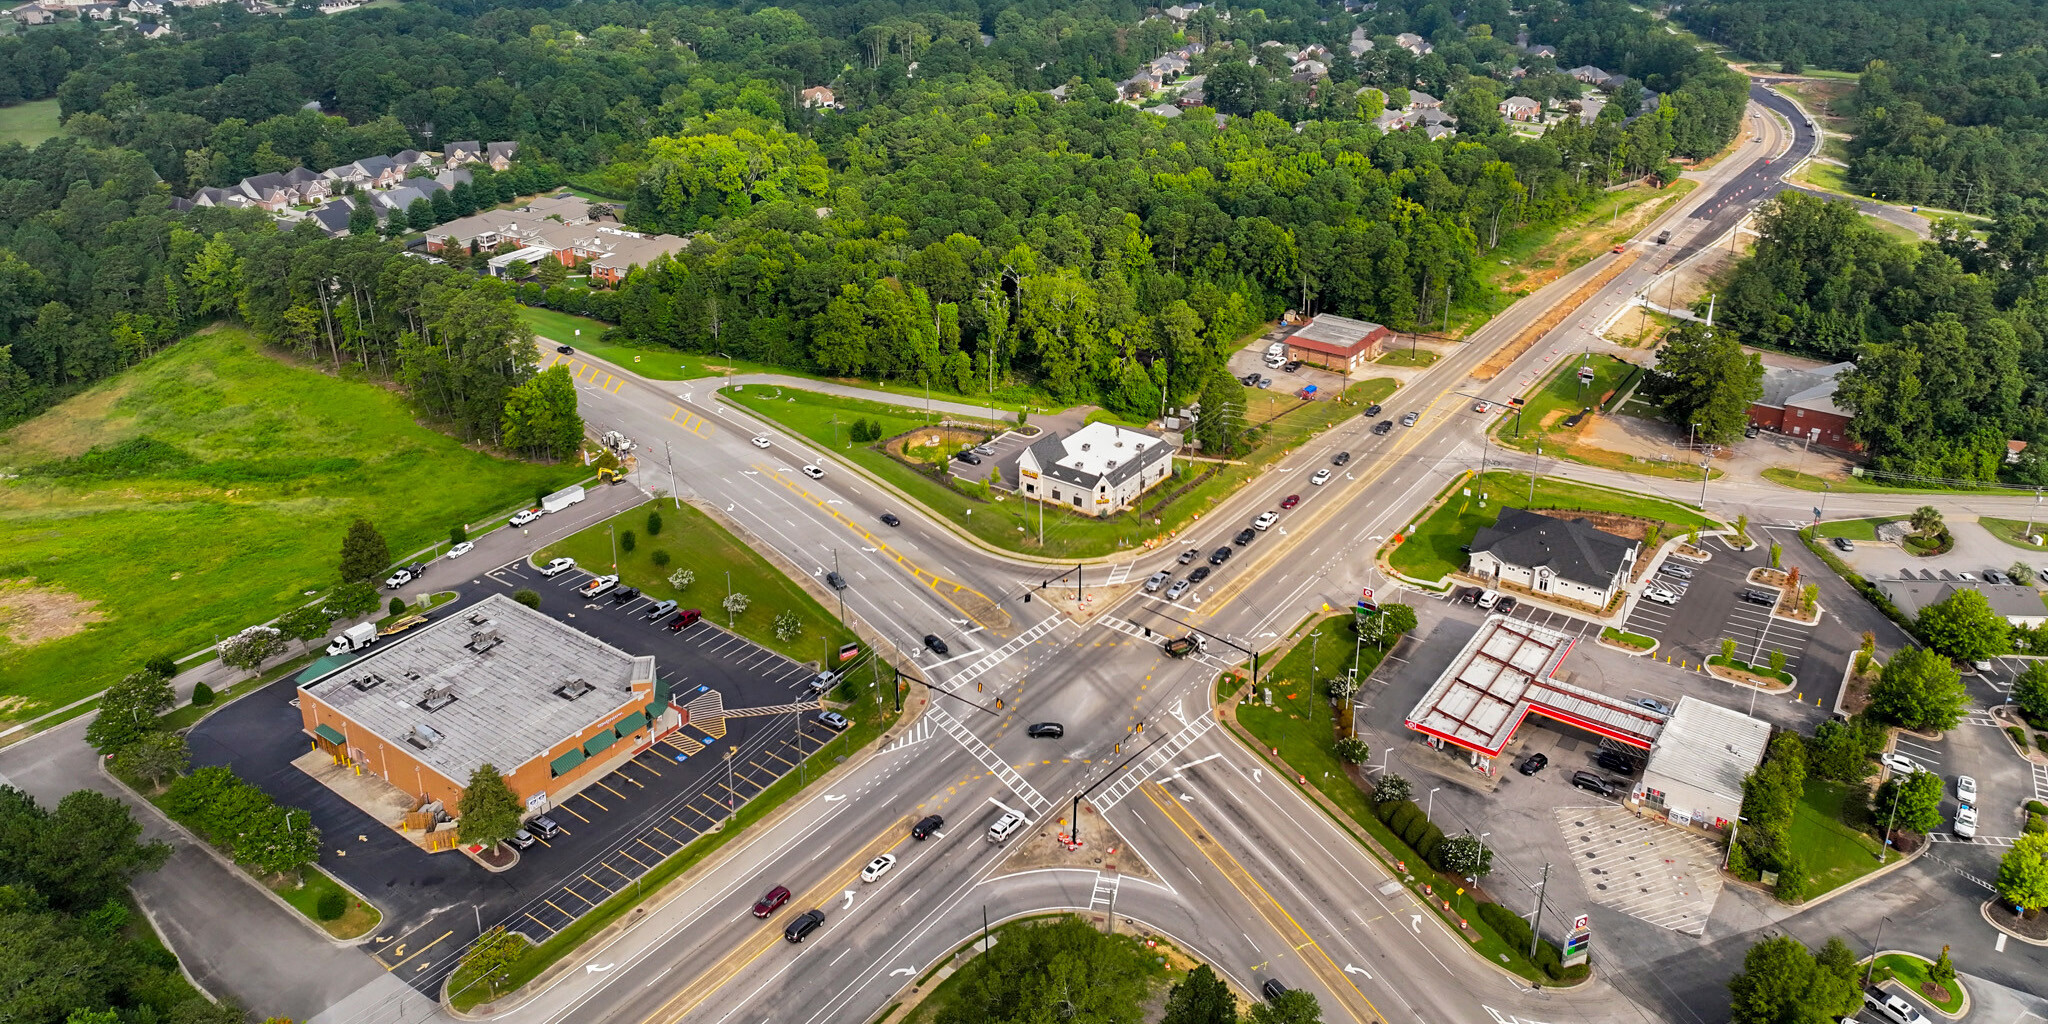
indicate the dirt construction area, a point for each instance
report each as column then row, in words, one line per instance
column 30, row 615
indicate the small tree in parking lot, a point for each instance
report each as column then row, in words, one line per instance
column 1352, row 750
column 1391, row 787
column 489, row 811
column 1727, row 649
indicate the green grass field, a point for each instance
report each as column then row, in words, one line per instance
column 267, row 464
column 1431, row 552
column 696, row 542
column 1012, row 523
column 1559, row 396
column 1529, row 257
column 1405, row 357
column 2014, row 531
column 28, row 123
column 1866, row 485
column 1835, row 853
column 1855, row 529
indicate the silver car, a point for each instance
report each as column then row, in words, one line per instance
column 1156, row 580
column 1174, row 592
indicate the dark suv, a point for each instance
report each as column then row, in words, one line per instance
column 1245, row 536
column 1615, row 761
column 805, row 923
column 1382, row 426
column 1593, row 783
column 1341, row 458
column 930, row 824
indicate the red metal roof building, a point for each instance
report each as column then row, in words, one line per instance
column 1507, row 671
column 1336, row 343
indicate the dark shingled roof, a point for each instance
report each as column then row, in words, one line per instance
column 1574, row 549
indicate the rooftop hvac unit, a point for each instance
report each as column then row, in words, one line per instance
column 484, row 640
column 478, row 618
column 424, row 736
column 437, row 697
column 573, row 689
column 368, row 682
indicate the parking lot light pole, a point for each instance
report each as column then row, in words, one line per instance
column 1874, row 947
column 1430, row 802
column 728, row 598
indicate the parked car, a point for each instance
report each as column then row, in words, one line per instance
column 1995, row 577
column 1174, row 592
column 1291, row 366
column 1156, row 580
column 1966, row 789
column 927, row 826
column 1674, row 569
column 397, row 580
column 813, row 472
column 1593, row 783
column 462, row 549
column 878, row 867
column 1340, row 458
column 660, row 610
column 1893, row 1008
column 1654, row 704
column 544, row 827
column 1534, row 763
column 1221, row 555
column 1245, row 536
column 1899, row 763
column 1844, row 544
column 1188, row 556
column 771, row 900
column 1046, row 731
column 801, row 928
column 524, row 516
column 1467, row 595
column 1322, row 476
column 684, row 619
column 824, row 680
column 833, row 720
column 557, row 567
column 967, row 455
column 1382, row 426
column 565, row 350
column 1266, row 520
column 522, row 839
column 625, row 594
column 1201, row 573
column 1249, row 380
column 1265, row 382
column 1290, row 501
column 1409, row 420
column 835, row 581
column 597, row 586
column 984, row 448
column 889, row 519
column 936, row 645
column 1615, row 761
column 1487, row 599
column 1505, row 605
column 1763, row 597
column 1660, row 595
column 762, row 442
column 1966, row 822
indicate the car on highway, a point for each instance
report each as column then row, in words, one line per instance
column 1482, row 407
column 967, row 455
column 1899, row 763
column 1046, row 731
column 1290, row 501
column 1322, row 476
column 1382, row 426
column 557, row 567
column 889, row 519
column 1534, row 763
column 524, row 516
column 1157, row 580
column 684, row 619
column 801, row 928
column 1245, row 536
column 833, row 720
column 597, row 586
column 771, row 901
column 1221, row 555
column 1340, row 458
column 1188, row 556
column 762, row 442
column 929, row 825
column 1593, row 782
column 835, row 581
column 1266, row 519
column 1844, row 544
column 1966, row 822
column 1966, row 789
column 936, row 645
column 878, row 867
column 1174, row 592
column 462, row 549
column 813, row 472
column 1673, row 569
column 1660, row 595
column 1409, row 420
column 1201, row 573
column 397, row 579
column 1273, row 989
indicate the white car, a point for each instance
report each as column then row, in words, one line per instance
column 1966, row 822
column 1899, row 762
column 813, row 472
column 878, row 867
column 1322, row 475
column 1267, row 520
column 398, row 579
column 557, row 567
column 1660, row 595
column 762, row 442
column 1893, row 1008
column 1966, row 789
column 525, row 516
column 462, row 549
column 1487, row 599
column 1482, row 407
column 597, row 585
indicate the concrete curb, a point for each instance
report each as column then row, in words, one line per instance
column 1630, row 651
column 1984, row 910
column 1961, row 1011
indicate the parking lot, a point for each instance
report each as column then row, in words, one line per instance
column 751, row 725
column 1710, row 607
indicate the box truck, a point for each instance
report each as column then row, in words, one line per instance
column 354, row 638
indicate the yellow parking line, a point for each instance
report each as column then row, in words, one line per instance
column 543, row 924
column 586, row 795
column 632, row 858
column 580, row 817
column 651, row 846
column 665, row 835
column 610, row 790
column 579, row 895
column 649, row 767
column 595, row 882
column 559, row 910
column 607, row 865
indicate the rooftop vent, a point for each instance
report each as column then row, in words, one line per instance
column 478, row 618
column 368, row 682
column 574, row 688
column 424, row 736
column 437, row 697
column 1085, row 446
column 485, row 640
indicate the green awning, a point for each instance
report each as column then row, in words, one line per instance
column 631, row 724
column 657, row 709
column 563, row 764
column 661, row 689
column 331, row 735
column 600, row 742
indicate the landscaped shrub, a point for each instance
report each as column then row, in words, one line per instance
column 330, row 905
column 1413, row 834
column 527, row 597
column 1507, row 924
column 202, row 695
column 1404, row 813
column 627, row 540
column 1432, row 839
column 2037, row 807
column 2019, row 736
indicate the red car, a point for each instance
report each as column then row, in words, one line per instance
column 776, row 897
column 1290, row 501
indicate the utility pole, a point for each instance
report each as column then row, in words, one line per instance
column 1536, row 927
column 1532, row 474
column 840, row 590
column 728, row 598
column 668, row 456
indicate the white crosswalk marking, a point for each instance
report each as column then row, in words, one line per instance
column 1950, row 837
column 1119, row 573
column 1158, row 758
column 919, row 731
column 1105, row 891
column 2040, row 781
column 981, row 751
column 979, row 666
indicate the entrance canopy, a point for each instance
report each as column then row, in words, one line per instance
column 1505, row 672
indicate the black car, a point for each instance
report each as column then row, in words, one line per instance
column 1754, row 596
column 416, row 568
column 1046, row 731
column 1273, row 989
column 1535, row 763
column 1592, row 783
column 564, row 349
column 1844, row 544
column 931, row 823
column 1291, row 366
column 1245, row 536
column 624, row 594
column 1200, row 573
column 1615, row 761
column 936, row 645
column 805, row 923
column 1249, row 380
column 1342, row 458
column 968, row 457
column 889, row 519
column 1467, row 595
column 1383, row 426
column 1504, row 605
column 835, row 581
column 1220, row 555
column 1372, row 410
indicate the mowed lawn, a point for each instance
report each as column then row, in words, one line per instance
column 28, row 123
column 274, row 462
column 1834, row 852
column 1432, row 551
column 695, row 542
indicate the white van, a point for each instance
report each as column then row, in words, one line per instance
column 1006, row 826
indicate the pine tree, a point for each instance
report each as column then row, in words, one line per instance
column 489, row 811
column 363, row 553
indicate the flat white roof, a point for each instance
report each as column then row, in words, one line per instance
column 1097, row 448
column 1505, row 672
column 1709, row 747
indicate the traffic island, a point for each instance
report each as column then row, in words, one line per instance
column 1912, row 974
column 1101, row 848
column 2000, row 915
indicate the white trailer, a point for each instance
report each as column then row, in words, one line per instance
column 562, row 499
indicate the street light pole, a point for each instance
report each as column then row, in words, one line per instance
column 1430, row 803
column 1874, row 947
column 728, row 598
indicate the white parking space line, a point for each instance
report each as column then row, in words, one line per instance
column 1646, row 869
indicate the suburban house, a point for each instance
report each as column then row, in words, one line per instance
column 1308, row 71
column 228, row 197
column 817, row 96
column 1414, row 44
column 333, row 217
column 409, row 160
column 1336, row 343
column 459, row 153
column 1542, row 50
column 33, row 14
column 279, row 189
column 1801, row 403
column 1182, row 12
column 1419, row 100
column 1698, row 761
column 1521, row 108
column 1099, row 469
column 1590, row 75
column 1360, row 45
column 2021, row 606
column 371, row 172
column 551, row 707
column 98, row 12
column 1169, row 67
column 1438, row 132
column 400, row 199
column 152, row 29
column 1168, row 110
column 499, row 155
column 1192, row 93
column 1568, row 558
